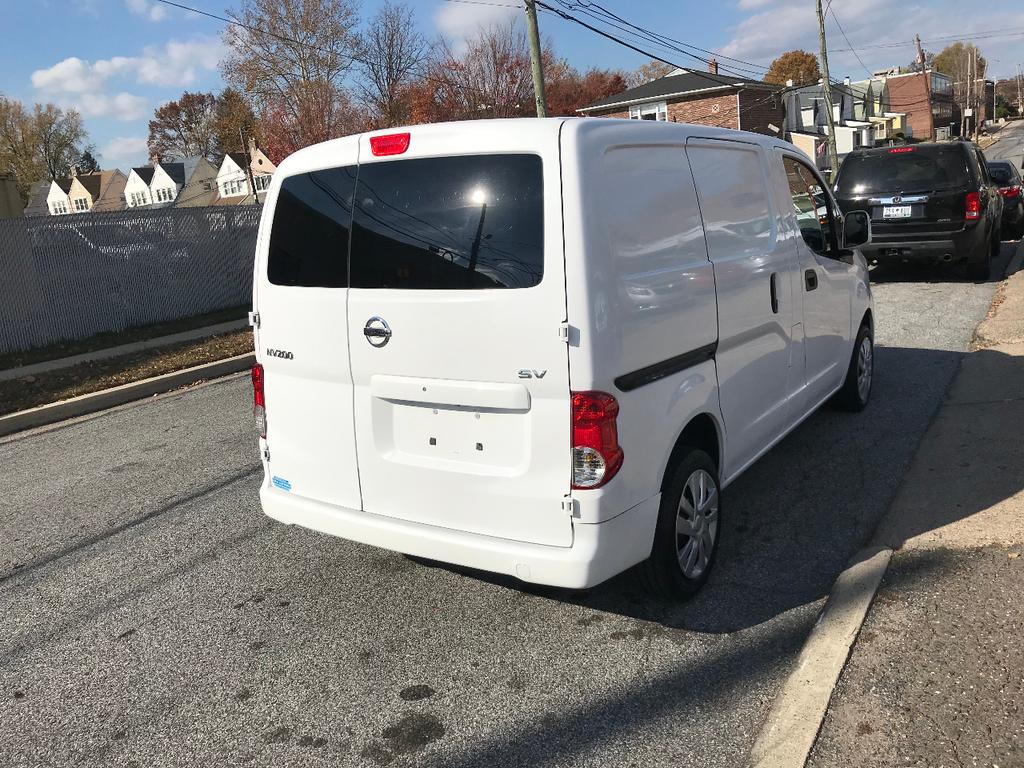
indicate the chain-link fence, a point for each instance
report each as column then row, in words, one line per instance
column 69, row 277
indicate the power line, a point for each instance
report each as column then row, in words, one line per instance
column 852, row 49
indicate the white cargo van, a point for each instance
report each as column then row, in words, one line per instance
column 543, row 347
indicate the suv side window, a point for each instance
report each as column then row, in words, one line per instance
column 811, row 206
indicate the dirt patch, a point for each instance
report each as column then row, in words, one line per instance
column 50, row 387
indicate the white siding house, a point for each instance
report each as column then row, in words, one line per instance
column 163, row 190
column 57, row 200
column 137, row 192
column 232, row 177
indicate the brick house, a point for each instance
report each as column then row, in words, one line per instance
column 705, row 98
column 908, row 93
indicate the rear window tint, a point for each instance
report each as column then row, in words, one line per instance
column 309, row 236
column 474, row 221
column 908, row 169
column 1000, row 174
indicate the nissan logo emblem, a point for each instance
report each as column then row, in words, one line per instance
column 377, row 331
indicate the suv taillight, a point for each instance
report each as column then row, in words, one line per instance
column 596, row 455
column 1009, row 191
column 972, row 206
column 259, row 402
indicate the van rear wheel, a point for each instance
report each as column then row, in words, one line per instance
column 687, row 532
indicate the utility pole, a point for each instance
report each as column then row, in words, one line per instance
column 927, row 84
column 538, row 70
column 833, row 157
column 1020, row 103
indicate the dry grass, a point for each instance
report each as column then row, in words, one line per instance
column 50, row 387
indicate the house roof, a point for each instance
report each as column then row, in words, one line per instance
column 175, row 170
column 92, row 182
column 672, row 85
column 37, row 198
column 64, row 184
column 240, row 158
column 145, row 173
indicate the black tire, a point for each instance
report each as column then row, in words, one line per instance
column 852, row 396
column 662, row 574
column 980, row 265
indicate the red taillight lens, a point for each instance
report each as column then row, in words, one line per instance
column 972, row 206
column 596, row 455
column 391, row 144
column 259, row 402
column 1009, row 191
column 900, row 150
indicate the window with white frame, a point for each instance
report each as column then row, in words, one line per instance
column 232, row 187
column 59, row 207
column 81, row 204
column 262, row 181
column 655, row 110
column 139, row 198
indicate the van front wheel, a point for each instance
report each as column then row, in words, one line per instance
column 686, row 536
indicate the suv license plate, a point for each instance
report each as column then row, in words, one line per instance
column 896, row 212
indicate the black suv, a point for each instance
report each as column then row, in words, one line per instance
column 926, row 201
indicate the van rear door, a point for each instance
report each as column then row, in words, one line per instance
column 455, row 310
column 301, row 286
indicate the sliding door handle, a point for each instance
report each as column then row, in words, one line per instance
column 774, row 290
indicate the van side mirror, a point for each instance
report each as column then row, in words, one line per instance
column 856, row 229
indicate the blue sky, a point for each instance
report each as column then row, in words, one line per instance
column 117, row 60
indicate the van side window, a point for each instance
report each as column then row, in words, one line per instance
column 309, row 235
column 733, row 199
column 810, row 205
column 449, row 223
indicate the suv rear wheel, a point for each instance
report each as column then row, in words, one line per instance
column 686, row 536
column 980, row 267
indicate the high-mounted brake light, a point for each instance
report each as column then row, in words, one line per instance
column 390, row 144
column 900, row 150
column 596, row 455
column 972, row 206
column 259, row 402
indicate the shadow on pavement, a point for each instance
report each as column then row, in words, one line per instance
column 911, row 271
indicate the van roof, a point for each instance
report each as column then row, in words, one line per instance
column 328, row 153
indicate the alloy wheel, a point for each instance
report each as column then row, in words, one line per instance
column 865, row 363
column 697, row 524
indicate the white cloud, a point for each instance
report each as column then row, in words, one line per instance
column 775, row 26
column 459, row 21
column 85, row 85
column 124, row 152
column 119, row 106
column 150, row 10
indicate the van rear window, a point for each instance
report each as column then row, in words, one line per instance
column 309, row 236
column 449, row 223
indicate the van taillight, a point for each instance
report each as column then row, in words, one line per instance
column 259, row 402
column 596, row 455
column 972, row 206
column 390, row 144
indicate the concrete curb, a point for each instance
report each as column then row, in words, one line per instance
column 793, row 722
column 123, row 349
column 136, row 390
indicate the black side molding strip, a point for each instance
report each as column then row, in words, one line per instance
column 630, row 381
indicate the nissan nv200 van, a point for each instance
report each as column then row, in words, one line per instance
column 544, row 347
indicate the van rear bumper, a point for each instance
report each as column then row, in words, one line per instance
column 598, row 552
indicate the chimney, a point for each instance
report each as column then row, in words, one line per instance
column 713, row 66
column 74, row 171
column 252, row 148
column 846, row 81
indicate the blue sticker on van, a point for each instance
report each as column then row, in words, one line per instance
column 280, row 482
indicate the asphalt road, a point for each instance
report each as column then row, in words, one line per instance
column 1010, row 145
column 151, row 616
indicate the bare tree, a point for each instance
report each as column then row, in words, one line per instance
column 491, row 79
column 291, row 57
column 392, row 52
column 184, row 128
